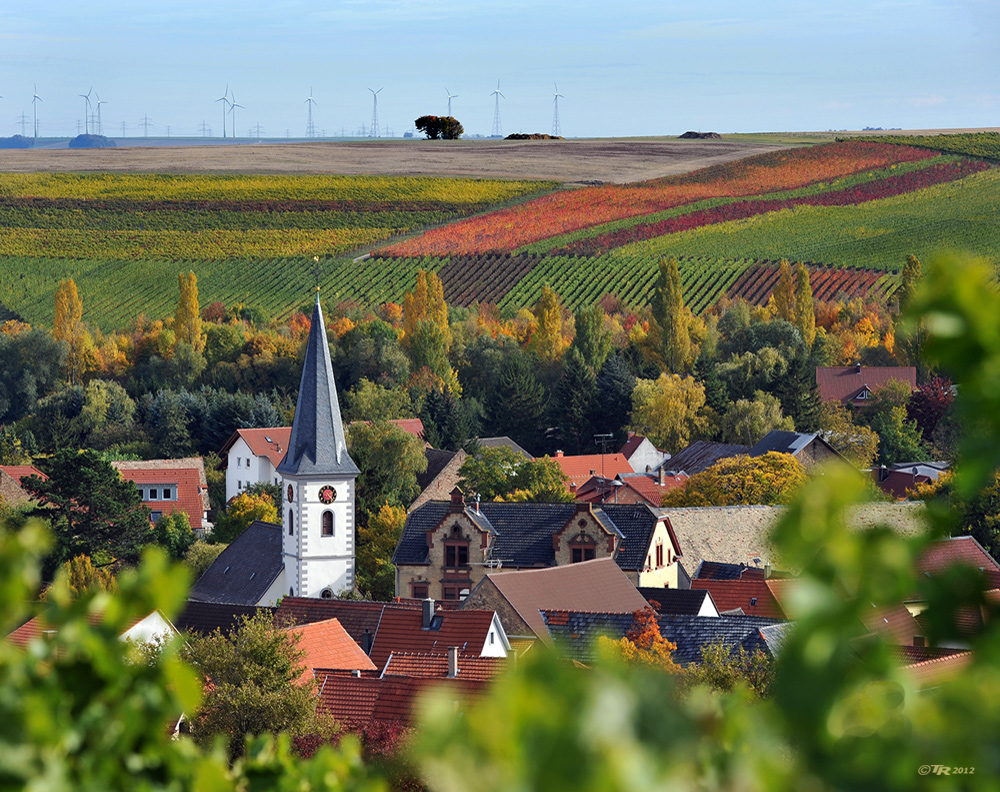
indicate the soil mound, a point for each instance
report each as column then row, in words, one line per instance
column 701, row 136
column 533, row 136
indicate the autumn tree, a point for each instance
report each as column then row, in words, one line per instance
column 724, row 668
column 68, row 327
column 670, row 319
column 244, row 509
column 805, row 311
column 746, row 422
column 389, row 459
column 854, row 441
column 187, row 317
column 644, row 644
column 769, row 479
column 80, row 575
column 376, row 576
column 547, row 341
column 782, row 301
column 668, row 410
column 425, row 303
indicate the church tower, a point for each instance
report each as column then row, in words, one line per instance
column 318, row 479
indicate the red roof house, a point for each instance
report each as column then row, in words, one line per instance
column 328, row 646
column 11, row 491
column 171, row 485
column 751, row 595
column 854, row 385
column 580, row 468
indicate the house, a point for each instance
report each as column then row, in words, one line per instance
column 679, row 601
column 809, row 449
column 11, row 491
column 598, row 585
column 898, row 480
column 360, row 618
column 853, row 386
column 446, row 548
column 203, row 618
column 441, row 476
column 579, row 468
column 702, row 454
column 745, row 597
column 151, row 627
column 630, row 488
column 641, row 454
column 328, row 646
column 167, row 486
column 503, row 442
column 250, row 571
column 252, row 456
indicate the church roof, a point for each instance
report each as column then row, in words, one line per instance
column 317, row 445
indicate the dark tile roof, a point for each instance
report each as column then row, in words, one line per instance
column 401, row 630
column 354, row 616
column 782, row 442
column 243, row 572
column 505, row 442
column 682, row 601
column 317, row 444
column 206, row 617
column 716, row 570
column 524, row 531
column 575, row 632
column 437, row 460
column 702, row 454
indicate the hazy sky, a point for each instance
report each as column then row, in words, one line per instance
column 625, row 68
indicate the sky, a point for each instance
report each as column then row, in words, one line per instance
column 627, row 68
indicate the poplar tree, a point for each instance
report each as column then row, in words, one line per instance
column 672, row 318
column 783, row 298
column 425, row 303
column 548, row 342
column 68, row 327
column 187, row 317
column 805, row 312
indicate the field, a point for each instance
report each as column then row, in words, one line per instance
column 852, row 210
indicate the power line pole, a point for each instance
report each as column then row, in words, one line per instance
column 23, row 119
column 205, row 131
column 145, row 122
column 123, row 128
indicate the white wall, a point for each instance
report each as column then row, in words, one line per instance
column 326, row 561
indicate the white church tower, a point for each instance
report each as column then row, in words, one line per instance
column 318, row 479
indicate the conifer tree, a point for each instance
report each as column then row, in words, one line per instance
column 187, row 317
column 672, row 319
column 805, row 312
column 573, row 405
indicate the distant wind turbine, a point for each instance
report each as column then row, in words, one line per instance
column 450, row 97
column 310, row 127
column 34, row 108
column 374, row 131
column 225, row 101
column 556, row 131
column 232, row 111
column 497, row 128
column 100, row 126
column 86, row 112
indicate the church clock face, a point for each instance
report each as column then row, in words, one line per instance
column 327, row 494
column 291, row 493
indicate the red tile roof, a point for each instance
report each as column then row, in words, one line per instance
column 894, row 623
column 897, row 483
column 931, row 673
column 580, row 468
column 188, row 475
column 11, row 491
column 843, row 383
column 401, row 630
column 631, row 445
column 955, row 550
column 347, row 697
column 752, row 595
column 327, row 645
column 17, row 472
column 257, row 440
column 435, row 664
column 37, row 626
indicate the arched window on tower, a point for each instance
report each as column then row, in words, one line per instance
column 328, row 523
column 291, row 523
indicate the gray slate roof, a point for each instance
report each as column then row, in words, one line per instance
column 577, row 632
column 680, row 601
column 317, row 445
column 206, row 617
column 702, row 454
column 783, row 442
column 244, row 571
column 524, row 531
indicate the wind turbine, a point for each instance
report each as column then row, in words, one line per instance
column 34, row 108
column 86, row 111
column 232, row 111
column 374, row 132
column 556, row 131
column 225, row 99
column 450, row 97
column 497, row 128
column 310, row 127
column 100, row 126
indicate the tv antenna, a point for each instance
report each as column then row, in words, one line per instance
column 450, row 97
column 86, row 111
column 603, row 440
column 497, row 127
column 232, row 111
column 310, row 127
column 34, row 108
column 225, row 101
column 374, row 129
column 556, row 131
column 100, row 126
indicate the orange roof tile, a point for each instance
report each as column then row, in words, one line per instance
column 894, row 623
column 843, row 383
column 327, row 645
column 966, row 550
column 931, row 673
column 37, row 626
column 580, row 468
column 401, row 630
column 435, row 664
column 270, row 442
column 17, row 472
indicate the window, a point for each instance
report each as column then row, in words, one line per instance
column 153, row 494
column 155, row 516
column 239, row 462
column 450, row 592
column 456, row 554
column 583, row 553
column 239, row 484
column 659, row 555
column 328, row 523
column 291, row 523
column 167, row 494
column 248, row 461
column 420, row 590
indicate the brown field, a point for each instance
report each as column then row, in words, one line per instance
column 568, row 161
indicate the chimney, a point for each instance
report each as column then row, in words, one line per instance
column 457, row 500
column 857, row 368
column 366, row 642
column 452, row 662
column 356, row 673
column 661, row 476
column 559, row 453
column 428, row 613
column 767, row 570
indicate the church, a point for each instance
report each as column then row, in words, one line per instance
column 311, row 554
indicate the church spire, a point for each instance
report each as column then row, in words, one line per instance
column 317, row 444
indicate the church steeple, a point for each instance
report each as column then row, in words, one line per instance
column 317, row 445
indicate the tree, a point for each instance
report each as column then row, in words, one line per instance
column 805, row 312
column 782, row 300
column 245, row 508
column 370, row 401
column 668, row 410
column 671, row 319
column 900, row 439
column 199, row 557
column 725, row 668
column 644, row 644
column 769, row 479
column 425, row 303
column 573, row 405
column 92, row 509
column 501, row 473
column 548, row 342
column 856, row 442
column 516, row 404
column 173, row 533
column 68, row 328
column 375, row 575
column 444, row 127
column 929, row 404
column 255, row 686
column 592, row 340
column 747, row 422
column 187, row 318
column 615, row 384
column 80, row 575
column 799, row 391
column 389, row 460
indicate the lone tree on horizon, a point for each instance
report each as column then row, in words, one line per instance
column 443, row 127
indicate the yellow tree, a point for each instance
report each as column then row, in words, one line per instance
column 805, row 312
column 425, row 303
column 187, row 318
column 668, row 410
column 782, row 301
column 670, row 329
column 68, row 327
column 548, row 341
column 644, row 644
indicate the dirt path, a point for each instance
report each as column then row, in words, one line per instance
column 568, row 161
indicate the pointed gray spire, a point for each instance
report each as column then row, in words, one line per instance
column 317, row 445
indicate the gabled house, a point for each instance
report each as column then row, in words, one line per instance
column 252, row 456
column 150, row 627
column 681, row 602
column 360, row 618
column 248, row 572
column 167, row 486
column 441, row 475
column 579, row 468
column 327, row 645
column 642, row 455
column 447, row 548
column 630, row 488
column 598, row 585
column 747, row 597
column 11, row 491
column 809, row 449
column 854, row 386
column 702, row 454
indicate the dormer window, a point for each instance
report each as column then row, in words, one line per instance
column 582, row 548
column 456, row 554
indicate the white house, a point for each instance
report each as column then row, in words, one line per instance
column 252, row 456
